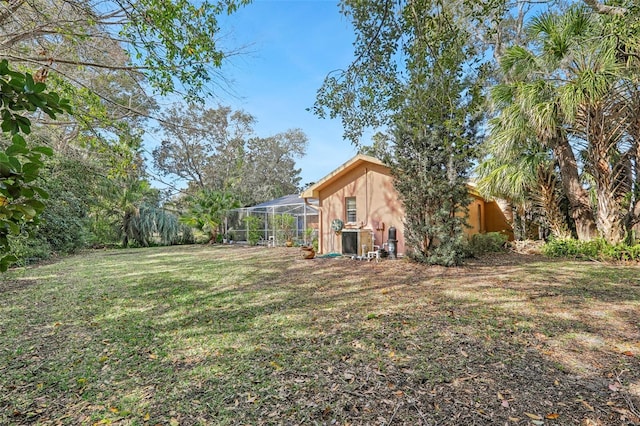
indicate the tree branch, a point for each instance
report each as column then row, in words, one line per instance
column 12, row 6
column 606, row 9
column 49, row 60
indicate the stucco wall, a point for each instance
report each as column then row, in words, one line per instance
column 377, row 206
column 476, row 218
column 499, row 218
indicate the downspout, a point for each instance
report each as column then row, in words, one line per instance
column 366, row 196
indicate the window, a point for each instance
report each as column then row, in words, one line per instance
column 350, row 209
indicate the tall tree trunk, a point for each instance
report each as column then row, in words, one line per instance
column 607, row 167
column 610, row 222
column 549, row 201
column 633, row 216
column 579, row 204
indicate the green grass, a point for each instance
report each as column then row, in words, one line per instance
column 232, row 335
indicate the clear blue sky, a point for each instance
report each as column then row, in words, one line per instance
column 290, row 46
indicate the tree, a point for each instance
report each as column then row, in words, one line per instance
column 596, row 101
column 285, row 225
column 19, row 164
column 576, row 88
column 518, row 162
column 106, row 55
column 380, row 147
column 412, row 74
column 204, row 147
column 174, row 44
column 215, row 149
column 269, row 167
column 207, row 209
column 516, row 167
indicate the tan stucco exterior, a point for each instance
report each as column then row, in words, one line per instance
column 499, row 218
column 378, row 206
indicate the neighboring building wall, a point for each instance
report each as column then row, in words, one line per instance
column 377, row 206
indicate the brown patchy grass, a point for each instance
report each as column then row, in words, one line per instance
column 233, row 335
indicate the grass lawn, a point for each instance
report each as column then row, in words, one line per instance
column 233, row 335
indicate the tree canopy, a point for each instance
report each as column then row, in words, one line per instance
column 110, row 59
column 176, row 45
column 216, row 149
column 412, row 76
column 563, row 81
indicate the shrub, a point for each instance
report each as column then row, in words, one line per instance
column 285, row 225
column 29, row 249
column 65, row 222
column 597, row 249
column 254, row 224
column 491, row 242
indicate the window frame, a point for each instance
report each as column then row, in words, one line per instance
column 350, row 211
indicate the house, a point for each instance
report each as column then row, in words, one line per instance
column 360, row 195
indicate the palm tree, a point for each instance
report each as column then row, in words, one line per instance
column 594, row 101
column 207, row 211
column 519, row 169
column 531, row 184
column 576, row 87
column 529, row 105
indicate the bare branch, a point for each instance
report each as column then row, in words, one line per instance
column 606, row 9
column 12, row 6
column 48, row 60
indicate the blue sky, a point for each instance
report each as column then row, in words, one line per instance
column 290, row 46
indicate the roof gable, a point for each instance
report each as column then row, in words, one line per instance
column 314, row 190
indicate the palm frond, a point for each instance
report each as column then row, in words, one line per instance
column 518, row 62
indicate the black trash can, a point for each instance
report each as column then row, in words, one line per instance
column 393, row 243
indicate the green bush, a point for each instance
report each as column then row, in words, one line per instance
column 597, row 249
column 65, row 222
column 29, row 249
column 186, row 236
column 254, row 225
column 491, row 242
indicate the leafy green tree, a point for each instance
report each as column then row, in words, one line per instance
column 413, row 74
column 380, row 147
column 203, row 147
column 255, row 226
column 433, row 139
column 19, row 164
column 269, row 167
column 174, row 44
column 65, row 224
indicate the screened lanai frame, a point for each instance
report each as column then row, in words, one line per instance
column 305, row 214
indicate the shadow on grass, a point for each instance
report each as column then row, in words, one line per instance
column 229, row 336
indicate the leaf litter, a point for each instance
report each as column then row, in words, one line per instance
column 269, row 338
